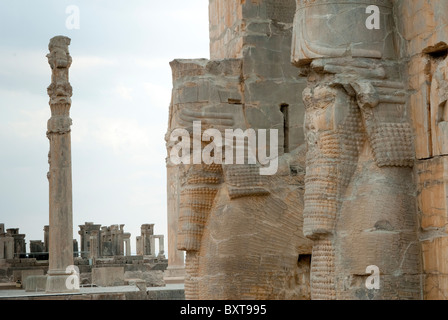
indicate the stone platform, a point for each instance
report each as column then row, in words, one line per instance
column 131, row 292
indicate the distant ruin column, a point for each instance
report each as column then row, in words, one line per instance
column 2, row 241
column 75, row 248
column 138, row 245
column 6, row 244
column 46, row 236
column 60, row 174
column 94, row 237
column 120, row 241
column 147, row 230
column 19, row 242
column 161, row 254
column 9, row 247
column 127, row 243
column 128, row 247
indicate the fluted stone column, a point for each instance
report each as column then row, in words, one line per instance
column 60, row 174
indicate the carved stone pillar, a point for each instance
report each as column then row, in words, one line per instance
column 359, row 188
column 60, row 174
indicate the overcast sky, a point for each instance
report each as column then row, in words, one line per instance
column 121, row 83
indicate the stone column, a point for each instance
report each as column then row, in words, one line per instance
column 147, row 230
column 128, row 247
column 19, row 242
column 36, row 249
column 94, row 245
column 60, row 174
column 2, row 248
column 2, row 241
column 9, row 248
column 46, row 236
column 359, row 189
column 127, row 243
column 161, row 254
column 120, row 239
column 139, row 245
column 152, row 245
column 75, row 248
column 84, row 239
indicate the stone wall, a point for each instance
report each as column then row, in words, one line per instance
column 423, row 34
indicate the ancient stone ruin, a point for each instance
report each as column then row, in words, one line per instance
column 104, row 258
column 60, row 174
column 356, row 93
column 307, row 159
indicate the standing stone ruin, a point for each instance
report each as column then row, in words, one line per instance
column 146, row 242
column 103, row 241
column 60, row 173
column 6, row 244
column 241, row 231
column 100, row 263
column 358, row 93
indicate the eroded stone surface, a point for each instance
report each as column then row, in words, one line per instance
column 242, row 231
column 367, row 188
column 60, row 173
column 359, row 195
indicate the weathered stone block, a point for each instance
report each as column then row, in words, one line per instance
column 31, row 272
column 108, row 276
column 35, row 283
column 152, row 278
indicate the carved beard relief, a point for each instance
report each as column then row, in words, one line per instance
column 335, row 136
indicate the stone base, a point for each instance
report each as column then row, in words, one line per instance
column 58, row 284
column 174, row 275
column 36, row 283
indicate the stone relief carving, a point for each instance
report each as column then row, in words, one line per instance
column 231, row 218
column 359, row 195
